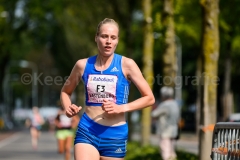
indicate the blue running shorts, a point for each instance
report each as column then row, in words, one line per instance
column 110, row 141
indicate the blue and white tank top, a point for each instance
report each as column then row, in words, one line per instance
column 109, row 84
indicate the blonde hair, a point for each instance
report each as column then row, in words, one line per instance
column 106, row 21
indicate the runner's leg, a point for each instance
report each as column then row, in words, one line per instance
column 84, row 151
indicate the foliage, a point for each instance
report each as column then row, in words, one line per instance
column 134, row 152
column 66, row 29
column 229, row 40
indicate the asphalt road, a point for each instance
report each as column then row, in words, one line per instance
column 18, row 147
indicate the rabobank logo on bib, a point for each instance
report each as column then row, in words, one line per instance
column 103, row 79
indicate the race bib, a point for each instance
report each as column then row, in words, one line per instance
column 101, row 87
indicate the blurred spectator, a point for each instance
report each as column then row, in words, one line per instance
column 65, row 131
column 51, row 122
column 168, row 114
column 35, row 123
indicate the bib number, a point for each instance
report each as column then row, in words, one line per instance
column 101, row 87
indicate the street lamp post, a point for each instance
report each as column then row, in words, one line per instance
column 27, row 64
column 178, row 80
column 178, row 85
column 22, row 64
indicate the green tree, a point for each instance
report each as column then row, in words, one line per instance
column 229, row 38
column 169, row 53
column 210, row 54
column 188, row 28
column 147, row 66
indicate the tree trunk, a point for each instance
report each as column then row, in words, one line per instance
column 227, row 100
column 210, row 54
column 169, row 55
column 147, row 67
column 3, row 65
column 199, row 95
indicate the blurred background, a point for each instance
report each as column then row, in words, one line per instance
column 40, row 41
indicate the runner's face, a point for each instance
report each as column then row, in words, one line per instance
column 107, row 39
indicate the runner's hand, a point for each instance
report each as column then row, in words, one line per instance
column 72, row 110
column 110, row 107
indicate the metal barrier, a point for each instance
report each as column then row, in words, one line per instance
column 225, row 141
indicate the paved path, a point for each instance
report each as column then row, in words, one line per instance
column 18, row 147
